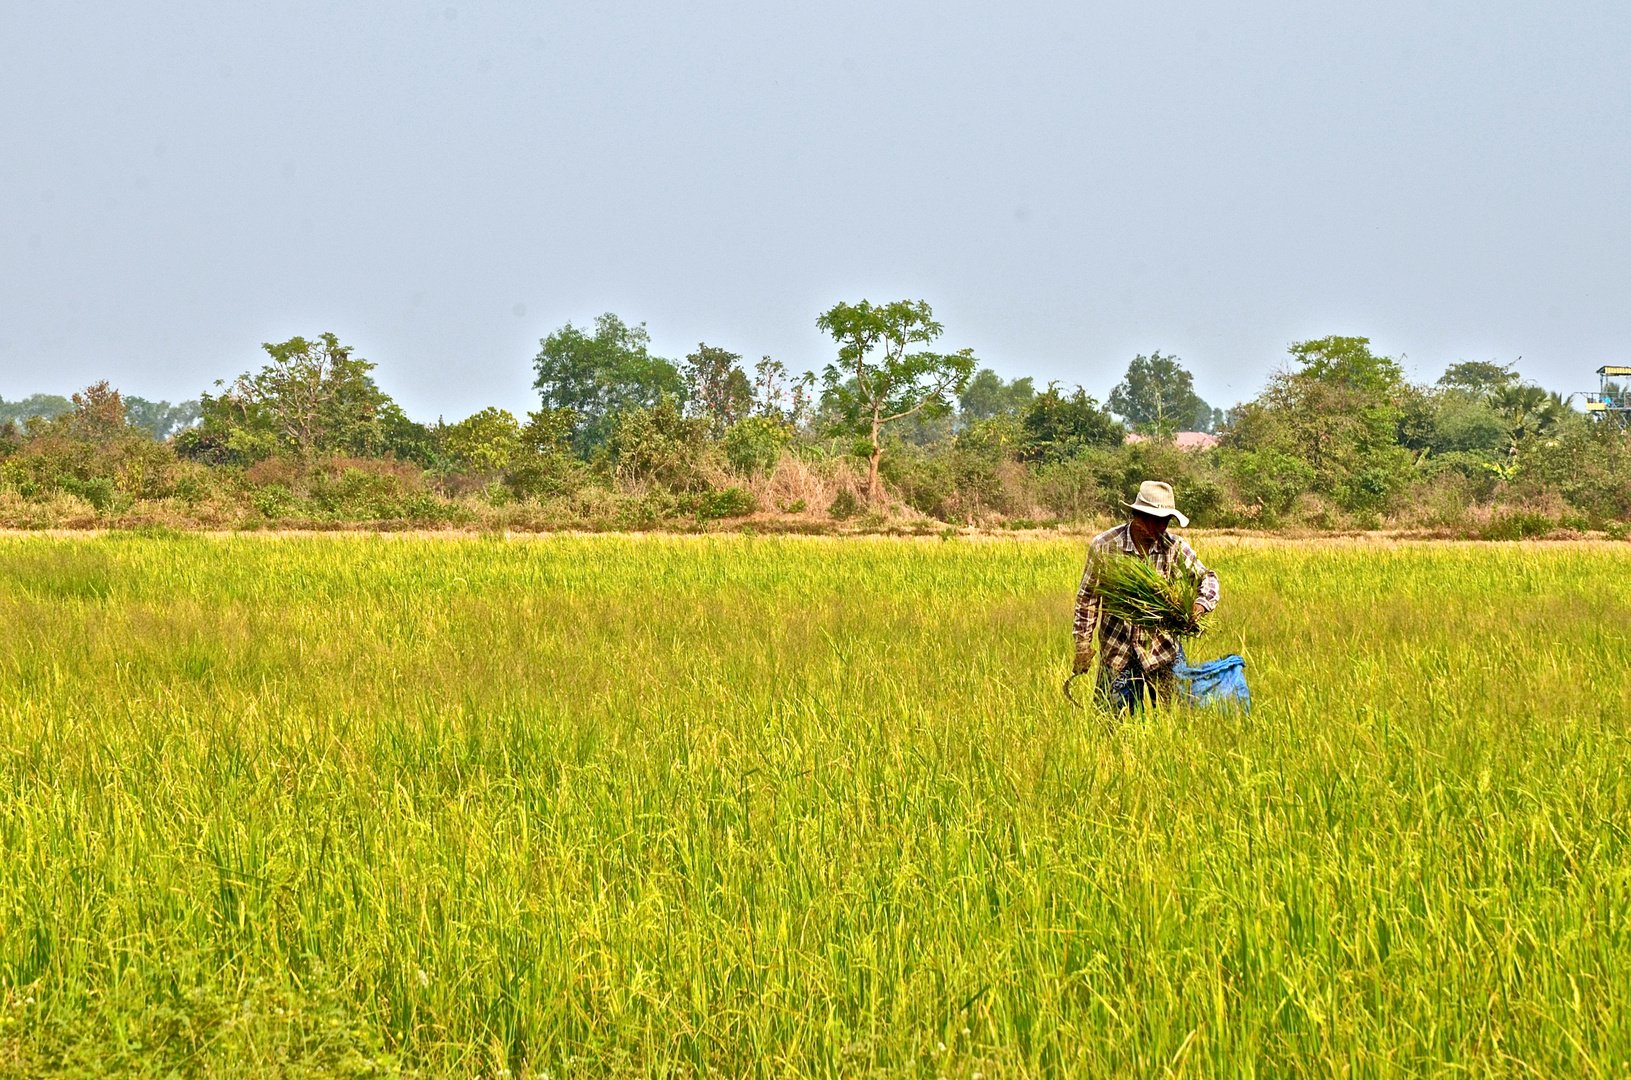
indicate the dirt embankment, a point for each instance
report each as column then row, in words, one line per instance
column 839, row 532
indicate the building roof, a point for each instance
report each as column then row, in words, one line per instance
column 1184, row 440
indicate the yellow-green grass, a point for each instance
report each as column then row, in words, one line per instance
column 613, row 806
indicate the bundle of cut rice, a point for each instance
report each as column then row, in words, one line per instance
column 1133, row 590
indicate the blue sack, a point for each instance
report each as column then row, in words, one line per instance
column 1216, row 682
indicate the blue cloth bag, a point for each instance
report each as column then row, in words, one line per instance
column 1216, row 682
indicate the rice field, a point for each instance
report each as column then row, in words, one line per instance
column 802, row 807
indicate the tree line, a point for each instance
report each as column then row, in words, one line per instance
column 895, row 426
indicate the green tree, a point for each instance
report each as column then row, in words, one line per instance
column 1589, row 464
column 1347, row 363
column 599, row 375
column 879, row 378
column 661, row 445
column 313, row 397
column 1416, row 424
column 160, row 418
column 1059, row 426
column 98, row 415
column 1157, row 396
column 405, row 439
column 1342, row 414
column 716, row 387
column 1477, row 377
column 544, row 465
column 43, row 406
column 1527, row 412
column 987, row 396
column 779, row 396
column 1466, row 424
column 92, row 451
column 485, row 443
column 1340, row 433
column 1269, row 479
column 754, row 444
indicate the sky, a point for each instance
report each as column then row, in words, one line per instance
column 1068, row 184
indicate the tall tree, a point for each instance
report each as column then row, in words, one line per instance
column 1342, row 414
column 1477, row 377
column 1526, row 412
column 599, row 375
column 778, row 396
column 1058, row 426
column 98, row 415
column 716, row 387
column 485, row 443
column 1347, row 363
column 879, row 378
column 1157, row 395
column 987, row 396
column 313, row 397
column 316, row 395
column 160, row 418
column 44, row 406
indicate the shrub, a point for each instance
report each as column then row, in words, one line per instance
column 140, row 468
column 536, row 476
column 273, row 501
column 193, row 484
column 544, row 467
column 662, row 446
column 964, row 481
column 1268, row 479
column 357, row 493
column 207, row 447
column 98, row 491
column 1191, row 473
column 1519, row 525
column 485, row 443
column 726, row 503
column 1370, row 487
column 753, row 445
column 963, row 487
column 1059, row 426
column 844, row 505
column 131, row 466
column 1074, row 489
column 1589, row 464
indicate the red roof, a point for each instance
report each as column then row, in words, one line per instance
column 1184, row 440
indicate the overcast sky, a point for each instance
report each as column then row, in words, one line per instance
column 1068, row 184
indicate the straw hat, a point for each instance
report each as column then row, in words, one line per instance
column 1155, row 499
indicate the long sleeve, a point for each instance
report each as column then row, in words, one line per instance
column 1087, row 614
column 1208, row 598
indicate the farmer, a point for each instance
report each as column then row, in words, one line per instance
column 1135, row 661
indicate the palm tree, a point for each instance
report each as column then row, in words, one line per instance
column 1529, row 412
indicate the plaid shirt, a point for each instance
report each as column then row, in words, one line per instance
column 1119, row 642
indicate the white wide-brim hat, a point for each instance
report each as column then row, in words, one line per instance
column 1155, row 499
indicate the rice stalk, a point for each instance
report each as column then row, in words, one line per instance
column 1133, row 590
column 624, row 807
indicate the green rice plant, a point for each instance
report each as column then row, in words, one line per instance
column 1133, row 590
column 801, row 807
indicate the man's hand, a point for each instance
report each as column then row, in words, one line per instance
column 1200, row 609
column 1084, row 662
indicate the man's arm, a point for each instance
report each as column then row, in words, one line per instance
column 1208, row 598
column 1087, row 617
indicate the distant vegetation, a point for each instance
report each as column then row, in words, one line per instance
column 893, row 434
